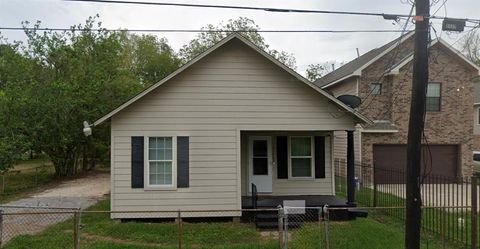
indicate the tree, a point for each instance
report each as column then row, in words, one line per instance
column 65, row 78
column 316, row 71
column 208, row 38
column 471, row 46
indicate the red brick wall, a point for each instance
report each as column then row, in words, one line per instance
column 452, row 125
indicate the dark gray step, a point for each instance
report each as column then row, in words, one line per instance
column 267, row 216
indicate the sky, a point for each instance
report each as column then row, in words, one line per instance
column 308, row 48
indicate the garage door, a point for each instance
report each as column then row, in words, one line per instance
column 390, row 162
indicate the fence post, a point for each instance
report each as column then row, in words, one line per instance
column 320, row 218
column 1, row 228
column 375, row 200
column 280, row 227
column 36, row 177
column 180, row 229
column 327, row 226
column 474, row 211
column 285, row 231
column 76, row 229
column 443, row 226
column 3, row 183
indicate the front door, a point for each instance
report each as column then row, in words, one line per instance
column 260, row 163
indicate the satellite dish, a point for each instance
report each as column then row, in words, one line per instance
column 350, row 100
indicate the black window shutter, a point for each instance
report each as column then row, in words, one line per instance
column 319, row 157
column 183, row 171
column 282, row 157
column 137, row 162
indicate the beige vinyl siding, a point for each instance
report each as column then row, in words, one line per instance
column 232, row 89
column 340, row 145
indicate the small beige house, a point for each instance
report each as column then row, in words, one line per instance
column 232, row 118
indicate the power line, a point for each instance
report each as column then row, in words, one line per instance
column 391, row 62
column 279, row 10
column 200, row 30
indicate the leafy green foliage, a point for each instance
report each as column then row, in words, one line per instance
column 316, row 71
column 57, row 80
column 208, row 38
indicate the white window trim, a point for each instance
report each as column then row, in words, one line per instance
column 312, row 156
column 147, row 184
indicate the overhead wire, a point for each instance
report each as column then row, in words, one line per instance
column 199, row 30
column 268, row 9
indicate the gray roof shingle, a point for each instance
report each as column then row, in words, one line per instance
column 355, row 64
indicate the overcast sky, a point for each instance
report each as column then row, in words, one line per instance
column 308, row 48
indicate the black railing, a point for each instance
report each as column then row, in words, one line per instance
column 448, row 202
column 254, row 196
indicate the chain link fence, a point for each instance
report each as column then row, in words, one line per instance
column 16, row 180
column 287, row 227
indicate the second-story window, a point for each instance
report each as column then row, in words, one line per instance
column 376, row 88
column 433, row 101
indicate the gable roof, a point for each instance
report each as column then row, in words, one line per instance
column 230, row 37
column 396, row 68
column 355, row 67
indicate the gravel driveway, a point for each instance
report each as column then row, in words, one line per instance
column 67, row 196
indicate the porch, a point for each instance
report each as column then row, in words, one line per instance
column 286, row 166
column 310, row 201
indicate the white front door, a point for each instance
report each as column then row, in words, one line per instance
column 260, row 163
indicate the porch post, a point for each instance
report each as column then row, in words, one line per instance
column 350, row 169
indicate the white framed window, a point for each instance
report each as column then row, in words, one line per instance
column 161, row 162
column 376, row 88
column 478, row 115
column 434, row 97
column 301, row 159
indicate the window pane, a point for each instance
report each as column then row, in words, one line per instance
column 152, row 154
column 260, row 166
column 152, row 142
column 166, row 174
column 153, row 179
column 375, row 88
column 432, row 104
column 433, row 90
column 260, row 148
column 153, row 167
column 478, row 114
column 168, row 154
column 300, row 146
column 301, row 167
column 168, row 143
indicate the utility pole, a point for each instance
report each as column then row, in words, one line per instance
column 416, row 124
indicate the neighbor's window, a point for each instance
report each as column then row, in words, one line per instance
column 478, row 115
column 160, row 161
column 433, row 100
column 301, row 158
column 376, row 88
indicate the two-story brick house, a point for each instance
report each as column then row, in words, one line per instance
column 382, row 78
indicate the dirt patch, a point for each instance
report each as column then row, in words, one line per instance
column 71, row 194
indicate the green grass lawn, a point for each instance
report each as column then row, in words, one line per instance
column 100, row 232
column 434, row 220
